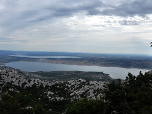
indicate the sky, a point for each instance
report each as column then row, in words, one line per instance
column 89, row 26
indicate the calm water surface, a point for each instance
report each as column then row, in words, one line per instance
column 114, row 72
column 44, row 56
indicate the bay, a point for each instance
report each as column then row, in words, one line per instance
column 42, row 57
column 114, row 72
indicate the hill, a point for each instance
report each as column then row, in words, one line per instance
column 51, row 95
column 23, row 94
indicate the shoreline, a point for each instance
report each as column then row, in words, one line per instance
column 82, row 63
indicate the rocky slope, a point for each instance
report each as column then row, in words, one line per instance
column 51, row 94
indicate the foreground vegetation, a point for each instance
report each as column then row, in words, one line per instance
column 132, row 96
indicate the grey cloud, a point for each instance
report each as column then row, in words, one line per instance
column 137, row 7
column 8, row 40
column 63, row 9
column 4, row 39
column 13, row 16
column 18, row 20
column 126, row 22
column 66, row 10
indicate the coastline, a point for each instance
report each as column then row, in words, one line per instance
column 85, row 63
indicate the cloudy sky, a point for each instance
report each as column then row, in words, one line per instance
column 94, row 26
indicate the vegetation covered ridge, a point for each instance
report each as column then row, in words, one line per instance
column 23, row 95
column 52, row 96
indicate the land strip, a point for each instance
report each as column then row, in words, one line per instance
column 104, row 62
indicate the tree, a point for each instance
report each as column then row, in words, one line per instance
column 114, row 95
column 86, row 106
column 19, row 104
column 134, row 96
